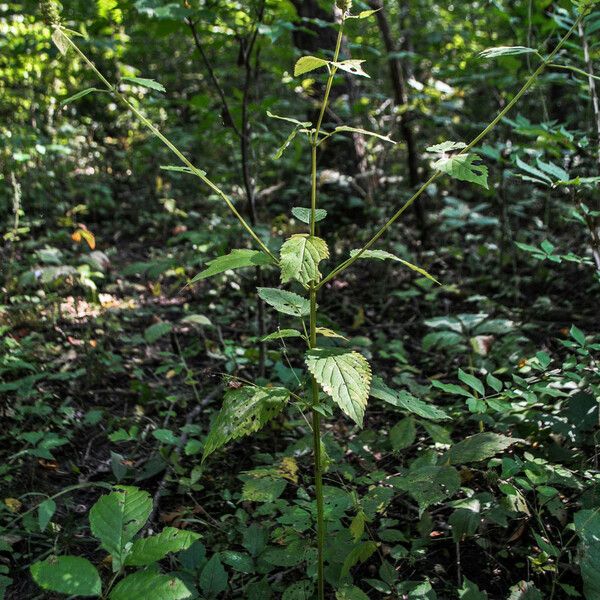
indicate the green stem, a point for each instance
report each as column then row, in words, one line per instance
column 316, row 427
column 312, row 337
column 548, row 61
column 145, row 121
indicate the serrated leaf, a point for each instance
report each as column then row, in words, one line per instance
column 306, row 64
column 345, row 376
column 153, row 333
column 464, row 167
column 383, row 255
column 239, row 561
column 144, row 585
column 478, row 447
column 470, row 591
column 300, row 258
column 117, row 517
column 244, row 411
column 405, row 401
column 345, row 128
column 281, row 334
column 365, row 14
column 146, row 551
column 236, row 259
column 446, row 147
column 213, row 578
column 357, row 526
column 285, row 302
column 539, row 176
column 428, row 485
column 506, row 51
column 303, row 214
column 587, row 526
column 60, row 41
column 471, row 381
column 147, row 83
column 359, row 553
column 79, row 95
column 71, row 575
column 325, row 332
column 352, row 66
column 403, row 434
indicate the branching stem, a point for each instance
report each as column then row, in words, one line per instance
column 545, row 63
column 145, row 121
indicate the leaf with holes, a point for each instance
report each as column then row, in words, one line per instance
column 150, row 584
column 244, row 411
column 70, row 575
column 117, row 517
column 285, row 302
column 146, row 551
column 306, row 64
column 383, row 255
column 466, row 167
column 352, row 66
column 300, row 258
column 236, row 259
column 446, row 147
column 345, row 376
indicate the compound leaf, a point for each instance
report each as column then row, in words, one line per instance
column 244, row 411
column 345, row 376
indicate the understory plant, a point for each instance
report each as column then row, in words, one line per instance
column 337, row 376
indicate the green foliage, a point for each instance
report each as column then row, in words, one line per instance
column 466, row 167
column 285, row 302
column 383, row 255
column 116, row 518
column 478, row 447
column 245, row 411
column 587, row 526
column 300, row 258
column 236, row 259
column 345, row 376
column 71, row 575
column 148, row 584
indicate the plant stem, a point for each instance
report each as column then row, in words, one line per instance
column 545, row 63
column 145, row 121
column 312, row 338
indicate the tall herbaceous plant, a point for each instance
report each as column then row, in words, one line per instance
column 337, row 377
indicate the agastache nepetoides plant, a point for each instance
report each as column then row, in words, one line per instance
column 338, row 376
